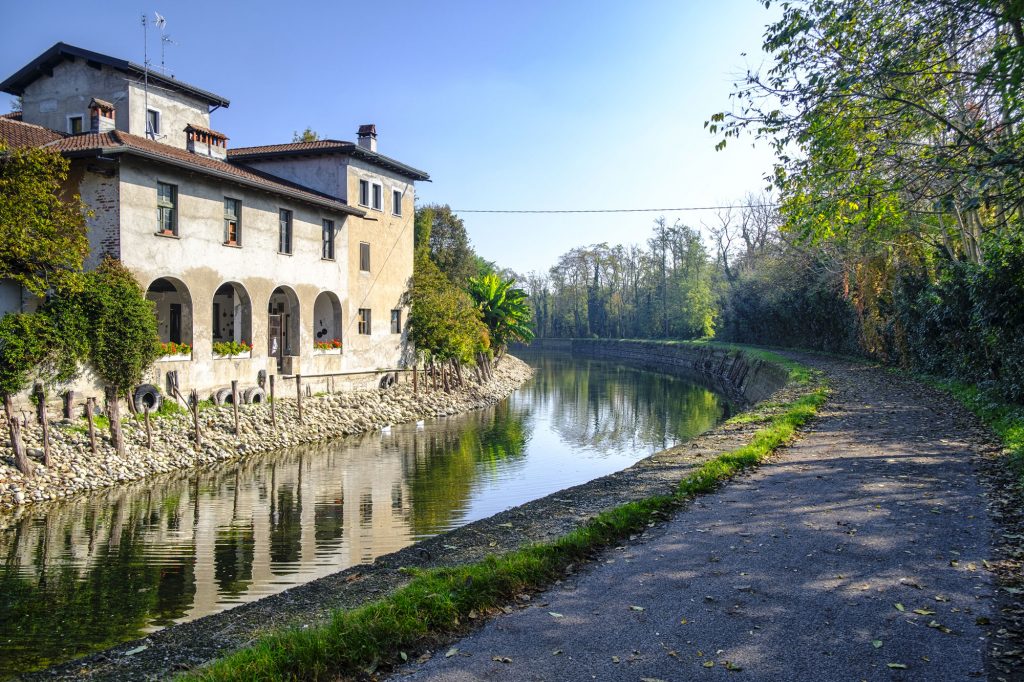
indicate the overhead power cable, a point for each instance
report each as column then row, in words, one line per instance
column 611, row 210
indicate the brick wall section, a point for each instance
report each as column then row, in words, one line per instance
column 102, row 195
column 751, row 379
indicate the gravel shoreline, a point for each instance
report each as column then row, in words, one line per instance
column 184, row 646
column 74, row 470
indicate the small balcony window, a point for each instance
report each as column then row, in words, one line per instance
column 232, row 222
column 166, row 209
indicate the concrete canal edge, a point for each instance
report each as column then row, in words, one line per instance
column 747, row 373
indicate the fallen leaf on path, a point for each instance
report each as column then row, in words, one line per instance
column 877, row 643
column 924, row 612
column 405, row 656
column 615, row 659
column 896, row 666
column 637, row 608
column 900, row 607
column 709, row 664
column 555, row 614
column 683, row 621
column 732, row 666
column 451, row 652
column 557, row 652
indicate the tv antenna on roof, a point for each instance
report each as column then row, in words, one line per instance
column 165, row 40
column 161, row 23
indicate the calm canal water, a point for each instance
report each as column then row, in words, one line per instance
column 88, row 574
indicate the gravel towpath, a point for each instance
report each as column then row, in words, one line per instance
column 857, row 555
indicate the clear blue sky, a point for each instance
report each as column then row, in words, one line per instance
column 508, row 105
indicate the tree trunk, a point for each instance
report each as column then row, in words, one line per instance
column 444, row 378
column 458, row 372
column 114, row 415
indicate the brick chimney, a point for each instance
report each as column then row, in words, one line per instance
column 101, row 116
column 206, row 142
column 368, row 137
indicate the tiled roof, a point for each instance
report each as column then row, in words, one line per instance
column 270, row 151
column 13, row 115
column 119, row 142
column 18, row 135
column 101, row 102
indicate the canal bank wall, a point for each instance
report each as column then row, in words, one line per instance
column 74, row 469
column 733, row 372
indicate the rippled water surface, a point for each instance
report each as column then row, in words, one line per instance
column 91, row 573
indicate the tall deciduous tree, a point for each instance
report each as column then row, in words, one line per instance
column 444, row 234
column 43, row 238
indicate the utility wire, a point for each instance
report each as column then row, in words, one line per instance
column 613, row 210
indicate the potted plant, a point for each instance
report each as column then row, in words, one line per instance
column 172, row 351
column 332, row 347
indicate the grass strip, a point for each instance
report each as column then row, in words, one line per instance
column 438, row 601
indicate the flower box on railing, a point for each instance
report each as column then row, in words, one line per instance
column 326, row 351
column 332, row 347
column 231, row 350
column 233, row 356
column 180, row 357
column 172, row 351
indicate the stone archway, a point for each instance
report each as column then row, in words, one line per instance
column 232, row 314
column 326, row 318
column 173, row 309
column 283, row 328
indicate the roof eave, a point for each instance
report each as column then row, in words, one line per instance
column 284, row 191
column 17, row 83
column 349, row 150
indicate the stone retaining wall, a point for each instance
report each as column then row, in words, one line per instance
column 74, row 469
column 738, row 373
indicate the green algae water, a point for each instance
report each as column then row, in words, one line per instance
column 90, row 573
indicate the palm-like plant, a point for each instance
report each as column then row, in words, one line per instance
column 505, row 309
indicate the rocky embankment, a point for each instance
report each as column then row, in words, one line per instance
column 75, row 469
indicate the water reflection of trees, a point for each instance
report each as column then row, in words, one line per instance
column 446, row 462
column 599, row 406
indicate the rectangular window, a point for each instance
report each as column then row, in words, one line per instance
column 232, row 221
column 364, row 321
column 377, row 196
column 76, row 124
column 284, row 242
column 166, row 208
column 152, row 123
column 396, row 321
column 396, row 202
column 364, row 193
column 364, row 256
column 328, row 247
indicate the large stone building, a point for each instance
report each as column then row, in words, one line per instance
column 279, row 246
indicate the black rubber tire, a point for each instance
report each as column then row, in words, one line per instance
column 387, row 381
column 147, row 394
column 222, row 396
column 254, row 395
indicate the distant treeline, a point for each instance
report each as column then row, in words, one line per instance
column 897, row 126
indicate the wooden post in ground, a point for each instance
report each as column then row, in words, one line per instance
column 415, row 380
column 149, row 429
column 69, row 403
column 89, row 407
column 43, row 422
column 20, row 458
column 194, row 399
column 298, row 394
column 234, row 402
column 273, row 414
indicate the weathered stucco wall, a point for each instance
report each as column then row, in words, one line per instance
column 51, row 99
column 391, row 255
column 177, row 110
column 749, row 378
